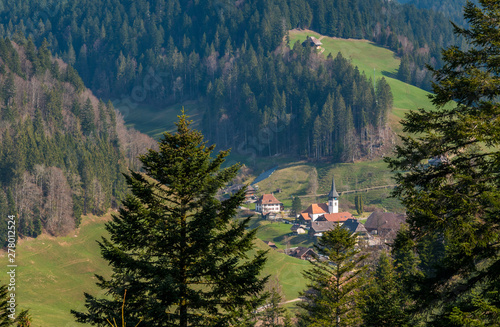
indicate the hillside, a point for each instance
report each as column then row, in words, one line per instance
column 376, row 62
column 50, row 285
column 113, row 44
column 62, row 150
column 227, row 57
column 53, row 272
column 312, row 181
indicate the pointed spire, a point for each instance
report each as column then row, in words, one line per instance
column 333, row 192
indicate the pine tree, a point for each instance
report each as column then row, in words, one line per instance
column 87, row 117
column 358, row 202
column 296, row 206
column 4, row 306
column 335, row 282
column 274, row 313
column 404, row 72
column 385, row 301
column 9, row 89
column 456, row 196
column 175, row 247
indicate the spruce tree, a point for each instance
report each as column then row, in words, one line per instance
column 296, row 206
column 175, row 247
column 273, row 313
column 336, row 282
column 455, row 196
column 385, row 301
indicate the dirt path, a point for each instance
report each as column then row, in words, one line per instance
column 294, row 300
column 262, row 308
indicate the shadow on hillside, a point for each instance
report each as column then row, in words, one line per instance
column 389, row 74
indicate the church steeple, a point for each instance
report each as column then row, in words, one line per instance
column 333, row 192
column 333, row 199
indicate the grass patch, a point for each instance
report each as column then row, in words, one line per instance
column 368, row 56
column 287, row 269
column 280, row 234
column 54, row 272
column 292, row 178
column 153, row 120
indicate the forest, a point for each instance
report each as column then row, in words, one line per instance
column 297, row 103
column 62, row 151
column 190, row 48
column 451, row 8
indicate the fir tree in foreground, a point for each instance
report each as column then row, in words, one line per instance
column 175, row 247
column 335, row 282
column 453, row 202
column 384, row 300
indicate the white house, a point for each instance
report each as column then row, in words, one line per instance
column 268, row 203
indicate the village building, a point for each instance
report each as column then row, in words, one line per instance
column 326, row 211
column 354, row 226
column 317, row 228
column 312, row 42
column 249, row 193
column 271, row 244
column 298, row 229
column 268, row 203
column 384, row 224
column 302, row 253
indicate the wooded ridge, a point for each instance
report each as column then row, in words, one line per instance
column 62, row 150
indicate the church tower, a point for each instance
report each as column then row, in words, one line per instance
column 333, row 199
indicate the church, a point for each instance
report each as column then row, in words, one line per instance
column 329, row 211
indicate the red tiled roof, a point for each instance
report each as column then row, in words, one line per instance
column 305, row 216
column 268, row 199
column 337, row 217
column 316, row 208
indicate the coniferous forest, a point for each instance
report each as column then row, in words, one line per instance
column 201, row 50
column 185, row 252
column 63, row 151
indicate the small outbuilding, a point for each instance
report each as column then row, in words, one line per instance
column 312, row 42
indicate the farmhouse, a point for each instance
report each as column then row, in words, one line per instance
column 312, row 42
column 384, row 223
column 354, row 226
column 319, row 227
column 303, row 253
column 249, row 193
column 268, row 203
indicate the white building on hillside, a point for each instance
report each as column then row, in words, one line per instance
column 268, row 203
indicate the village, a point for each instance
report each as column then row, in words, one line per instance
column 377, row 231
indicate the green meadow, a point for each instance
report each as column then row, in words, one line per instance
column 153, row 120
column 373, row 60
column 312, row 181
column 54, row 272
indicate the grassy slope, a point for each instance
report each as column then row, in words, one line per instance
column 297, row 179
column 287, row 269
column 53, row 273
column 367, row 56
column 153, row 121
